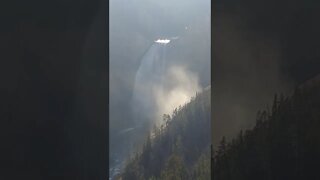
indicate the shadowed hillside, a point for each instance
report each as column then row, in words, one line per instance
column 284, row 144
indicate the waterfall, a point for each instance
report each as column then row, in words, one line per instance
column 149, row 78
column 159, row 87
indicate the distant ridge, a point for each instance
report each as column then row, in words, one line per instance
column 310, row 82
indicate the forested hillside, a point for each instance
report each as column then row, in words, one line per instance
column 284, row 144
column 179, row 148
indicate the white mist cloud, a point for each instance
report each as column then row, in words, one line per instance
column 180, row 86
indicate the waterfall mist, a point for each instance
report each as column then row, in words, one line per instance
column 159, row 86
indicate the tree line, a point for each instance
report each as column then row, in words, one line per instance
column 284, row 144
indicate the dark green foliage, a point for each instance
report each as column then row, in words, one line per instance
column 179, row 148
column 284, row 144
column 175, row 169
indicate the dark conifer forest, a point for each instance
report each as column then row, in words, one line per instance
column 179, row 149
column 284, row 144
